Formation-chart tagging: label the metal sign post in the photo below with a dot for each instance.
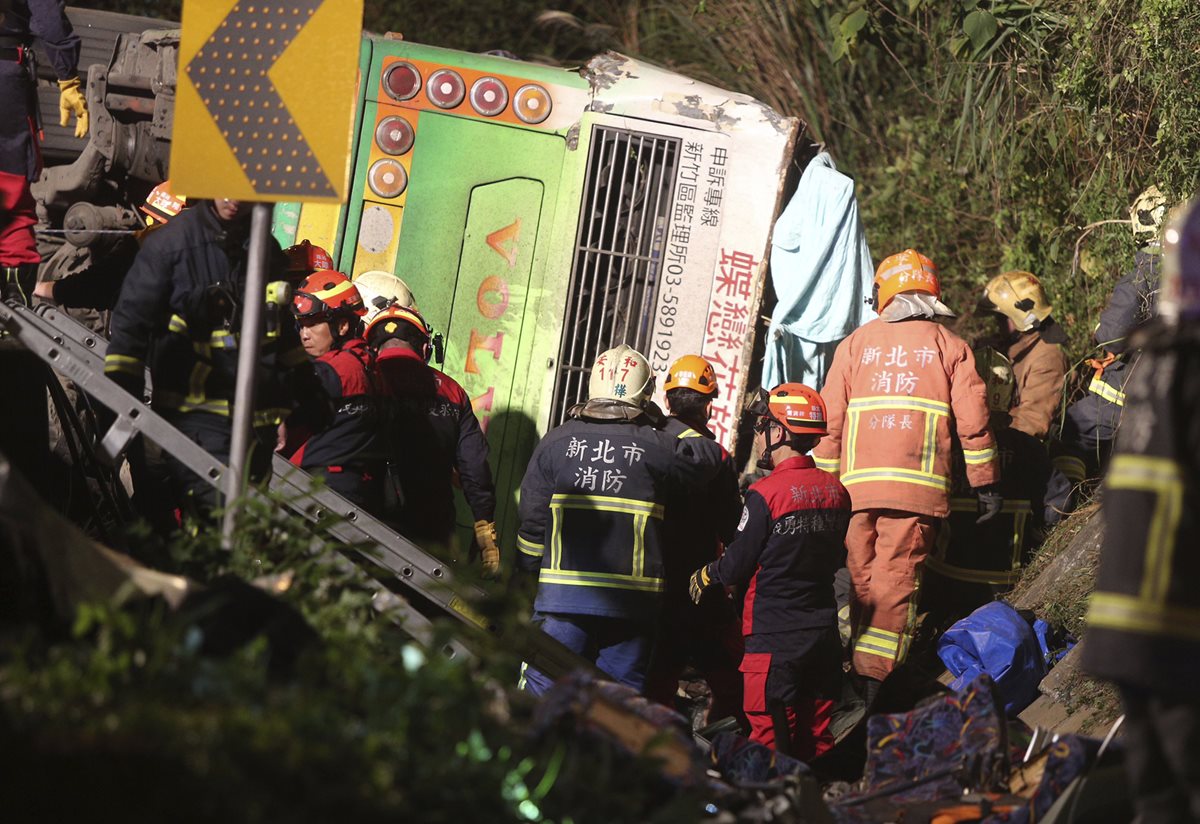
(249, 346)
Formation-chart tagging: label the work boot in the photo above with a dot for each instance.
(18, 282)
(868, 690)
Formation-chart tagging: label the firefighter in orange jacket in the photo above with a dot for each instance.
(899, 388)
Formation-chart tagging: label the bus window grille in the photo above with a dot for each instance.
(623, 223)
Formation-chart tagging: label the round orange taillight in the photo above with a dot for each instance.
(402, 81)
(489, 96)
(532, 104)
(394, 135)
(445, 88)
(387, 178)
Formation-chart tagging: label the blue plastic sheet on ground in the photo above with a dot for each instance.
(996, 640)
(822, 272)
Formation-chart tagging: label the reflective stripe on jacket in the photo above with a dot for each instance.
(592, 506)
(895, 395)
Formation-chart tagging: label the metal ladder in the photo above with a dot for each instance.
(77, 353)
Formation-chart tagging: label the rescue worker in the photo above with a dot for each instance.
(98, 286)
(971, 562)
(592, 505)
(20, 158)
(1032, 341)
(430, 436)
(789, 543)
(1144, 617)
(899, 389)
(179, 309)
(699, 522)
(339, 422)
(1090, 424)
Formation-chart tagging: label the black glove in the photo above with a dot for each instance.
(698, 583)
(990, 502)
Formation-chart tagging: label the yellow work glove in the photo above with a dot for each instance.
(698, 583)
(485, 536)
(71, 101)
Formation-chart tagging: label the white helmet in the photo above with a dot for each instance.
(380, 289)
(621, 374)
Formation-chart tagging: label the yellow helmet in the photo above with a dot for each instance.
(1147, 212)
(1019, 297)
(997, 373)
(692, 372)
(621, 374)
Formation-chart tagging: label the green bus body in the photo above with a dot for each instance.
(532, 246)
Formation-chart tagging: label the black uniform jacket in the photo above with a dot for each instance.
(790, 541)
(592, 506)
(345, 420)
(430, 433)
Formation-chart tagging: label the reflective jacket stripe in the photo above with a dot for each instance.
(604, 503)
(881, 642)
(908, 476)
(900, 402)
(530, 548)
(637, 583)
(979, 456)
(1112, 610)
(831, 465)
(177, 325)
(1164, 479)
(1109, 393)
(975, 576)
(124, 363)
(1074, 468)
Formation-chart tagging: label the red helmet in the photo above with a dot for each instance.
(798, 408)
(304, 258)
(326, 293)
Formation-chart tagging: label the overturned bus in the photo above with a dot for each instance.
(541, 215)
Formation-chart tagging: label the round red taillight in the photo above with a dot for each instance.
(532, 104)
(402, 81)
(445, 88)
(394, 135)
(387, 178)
(489, 96)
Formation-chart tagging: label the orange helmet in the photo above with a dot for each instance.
(908, 271)
(305, 258)
(391, 320)
(692, 372)
(798, 408)
(161, 205)
(326, 293)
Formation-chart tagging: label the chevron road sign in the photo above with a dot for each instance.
(265, 99)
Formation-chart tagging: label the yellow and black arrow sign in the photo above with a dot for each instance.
(266, 98)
